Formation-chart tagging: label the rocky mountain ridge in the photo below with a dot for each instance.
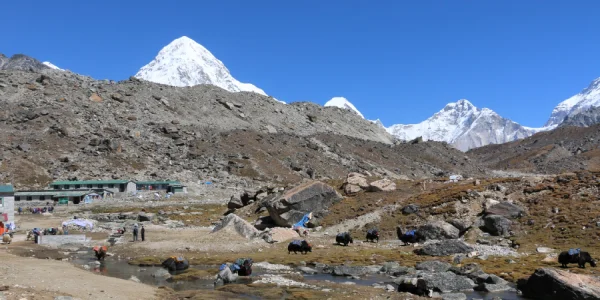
(60, 125)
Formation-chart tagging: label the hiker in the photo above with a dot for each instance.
(143, 232)
(135, 232)
(20, 210)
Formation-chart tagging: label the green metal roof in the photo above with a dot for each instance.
(89, 182)
(158, 182)
(6, 189)
(53, 193)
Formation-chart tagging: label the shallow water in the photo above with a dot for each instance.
(121, 269)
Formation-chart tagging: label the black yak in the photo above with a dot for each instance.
(574, 256)
(373, 235)
(343, 238)
(409, 237)
(245, 266)
(174, 263)
(299, 246)
(100, 252)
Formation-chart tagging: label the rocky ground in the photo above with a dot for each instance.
(476, 234)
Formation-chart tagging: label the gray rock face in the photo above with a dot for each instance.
(554, 284)
(433, 266)
(583, 118)
(21, 62)
(497, 225)
(446, 247)
(506, 209)
(437, 230)
(288, 208)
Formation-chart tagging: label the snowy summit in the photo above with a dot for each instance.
(586, 99)
(51, 66)
(184, 62)
(342, 102)
(465, 127)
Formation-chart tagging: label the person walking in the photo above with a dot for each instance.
(143, 232)
(135, 232)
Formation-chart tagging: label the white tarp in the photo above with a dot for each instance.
(79, 222)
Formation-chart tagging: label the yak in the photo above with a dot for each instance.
(373, 235)
(174, 263)
(245, 266)
(574, 256)
(100, 252)
(299, 246)
(409, 237)
(343, 238)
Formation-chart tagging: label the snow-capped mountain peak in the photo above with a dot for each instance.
(183, 62)
(464, 126)
(587, 98)
(342, 102)
(52, 66)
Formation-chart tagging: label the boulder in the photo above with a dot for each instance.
(453, 296)
(461, 224)
(505, 209)
(307, 270)
(236, 224)
(357, 179)
(445, 247)
(235, 202)
(445, 282)
(354, 270)
(471, 270)
(145, 217)
(555, 284)
(351, 189)
(496, 225)
(162, 273)
(312, 196)
(383, 185)
(433, 266)
(410, 209)
(390, 266)
(437, 230)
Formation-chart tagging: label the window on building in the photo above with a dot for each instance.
(17, 198)
(57, 187)
(90, 186)
(111, 186)
(29, 198)
(77, 186)
(42, 197)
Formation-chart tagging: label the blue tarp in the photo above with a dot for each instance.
(297, 242)
(410, 233)
(574, 251)
(302, 223)
(222, 267)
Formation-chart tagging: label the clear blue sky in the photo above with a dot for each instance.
(400, 61)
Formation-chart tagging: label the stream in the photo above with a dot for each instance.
(121, 269)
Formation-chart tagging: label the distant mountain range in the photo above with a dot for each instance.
(184, 62)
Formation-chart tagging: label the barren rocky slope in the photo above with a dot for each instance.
(560, 150)
(59, 125)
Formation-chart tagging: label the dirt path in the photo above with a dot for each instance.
(65, 279)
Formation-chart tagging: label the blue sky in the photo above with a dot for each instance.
(400, 61)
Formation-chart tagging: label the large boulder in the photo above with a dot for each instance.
(445, 282)
(496, 225)
(351, 189)
(505, 209)
(433, 266)
(554, 284)
(354, 270)
(445, 247)
(233, 223)
(357, 179)
(313, 196)
(235, 202)
(437, 230)
(383, 185)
